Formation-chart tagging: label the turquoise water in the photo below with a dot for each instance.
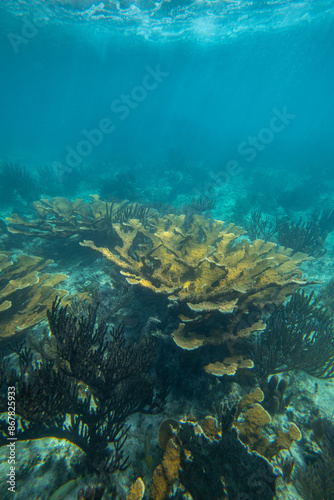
(229, 64)
(165, 118)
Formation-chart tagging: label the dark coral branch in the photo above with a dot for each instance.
(85, 390)
(298, 336)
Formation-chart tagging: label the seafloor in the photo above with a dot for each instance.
(51, 467)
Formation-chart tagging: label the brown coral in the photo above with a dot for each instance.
(228, 366)
(137, 490)
(166, 474)
(251, 421)
(251, 428)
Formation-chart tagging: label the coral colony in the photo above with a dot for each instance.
(218, 294)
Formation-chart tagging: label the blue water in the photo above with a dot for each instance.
(161, 102)
(229, 64)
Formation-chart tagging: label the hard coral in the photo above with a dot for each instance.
(61, 218)
(222, 467)
(221, 284)
(166, 474)
(228, 366)
(251, 421)
(25, 293)
(137, 490)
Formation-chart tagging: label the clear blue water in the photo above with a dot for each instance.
(229, 65)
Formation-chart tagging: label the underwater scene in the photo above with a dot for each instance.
(166, 250)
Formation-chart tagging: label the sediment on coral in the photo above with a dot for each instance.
(87, 382)
(298, 336)
(219, 283)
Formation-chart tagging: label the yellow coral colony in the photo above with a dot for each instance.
(220, 283)
(62, 218)
(25, 293)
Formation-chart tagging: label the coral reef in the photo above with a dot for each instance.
(200, 205)
(298, 336)
(166, 474)
(91, 493)
(304, 236)
(219, 284)
(122, 185)
(84, 390)
(251, 421)
(325, 221)
(228, 366)
(62, 218)
(222, 467)
(137, 490)
(25, 292)
(274, 391)
(327, 296)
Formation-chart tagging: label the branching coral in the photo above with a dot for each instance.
(298, 336)
(85, 390)
(61, 218)
(219, 283)
(25, 292)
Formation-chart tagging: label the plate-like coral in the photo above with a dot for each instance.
(25, 292)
